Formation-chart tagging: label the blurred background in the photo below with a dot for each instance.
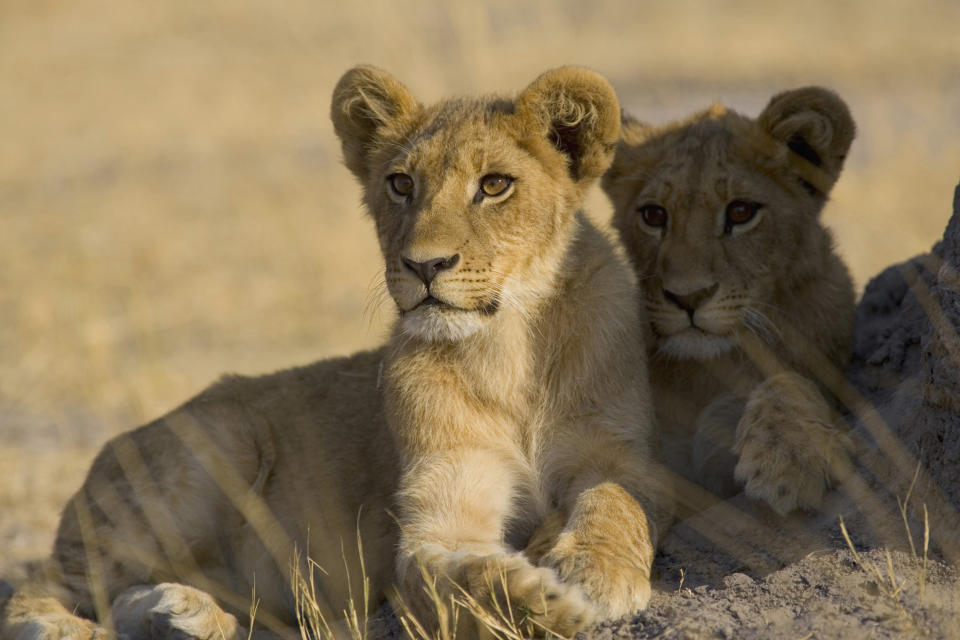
(173, 205)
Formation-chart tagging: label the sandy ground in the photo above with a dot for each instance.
(790, 579)
(172, 204)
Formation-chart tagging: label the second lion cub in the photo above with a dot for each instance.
(749, 304)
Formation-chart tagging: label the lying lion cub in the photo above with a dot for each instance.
(749, 304)
(514, 454)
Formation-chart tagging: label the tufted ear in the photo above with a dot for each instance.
(817, 126)
(367, 102)
(578, 112)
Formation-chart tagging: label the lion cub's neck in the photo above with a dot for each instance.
(499, 378)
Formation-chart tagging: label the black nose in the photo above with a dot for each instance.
(428, 270)
(690, 301)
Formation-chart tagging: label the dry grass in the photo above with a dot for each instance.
(497, 619)
(172, 204)
(887, 581)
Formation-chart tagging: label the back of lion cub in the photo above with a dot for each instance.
(498, 449)
(751, 309)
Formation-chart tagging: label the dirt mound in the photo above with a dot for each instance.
(907, 356)
(824, 595)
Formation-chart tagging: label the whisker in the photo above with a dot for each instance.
(776, 309)
(377, 296)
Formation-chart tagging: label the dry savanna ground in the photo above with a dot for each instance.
(173, 206)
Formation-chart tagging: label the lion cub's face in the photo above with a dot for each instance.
(473, 199)
(717, 214)
(461, 215)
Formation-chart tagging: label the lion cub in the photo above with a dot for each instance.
(750, 307)
(511, 454)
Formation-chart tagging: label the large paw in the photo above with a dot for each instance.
(606, 548)
(789, 450)
(29, 617)
(171, 611)
(510, 588)
(53, 626)
(615, 586)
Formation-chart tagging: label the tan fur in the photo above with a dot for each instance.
(515, 407)
(770, 300)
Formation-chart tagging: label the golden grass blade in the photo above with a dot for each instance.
(95, 576)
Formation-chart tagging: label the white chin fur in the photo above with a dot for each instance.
(437, 325)
(693, 344)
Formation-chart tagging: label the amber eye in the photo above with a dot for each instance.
(740, 212)
(401, 184)
(495, 184)
(653, 215)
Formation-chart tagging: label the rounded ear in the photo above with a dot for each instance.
(815, 124)
(578, 112)
(632, 131)
(633, 134)
(367, 101)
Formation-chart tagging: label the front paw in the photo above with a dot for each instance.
(172, 611)
(51, 625)
(789, 450)
(499, 591)
(538, 599)
(615, 585)
(606, 548)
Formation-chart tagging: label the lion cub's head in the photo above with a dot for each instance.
(473, 199)
(720, 215)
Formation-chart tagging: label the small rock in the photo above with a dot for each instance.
(737, 580)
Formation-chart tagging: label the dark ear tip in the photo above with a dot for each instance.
(812, 98)
(809, 93)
